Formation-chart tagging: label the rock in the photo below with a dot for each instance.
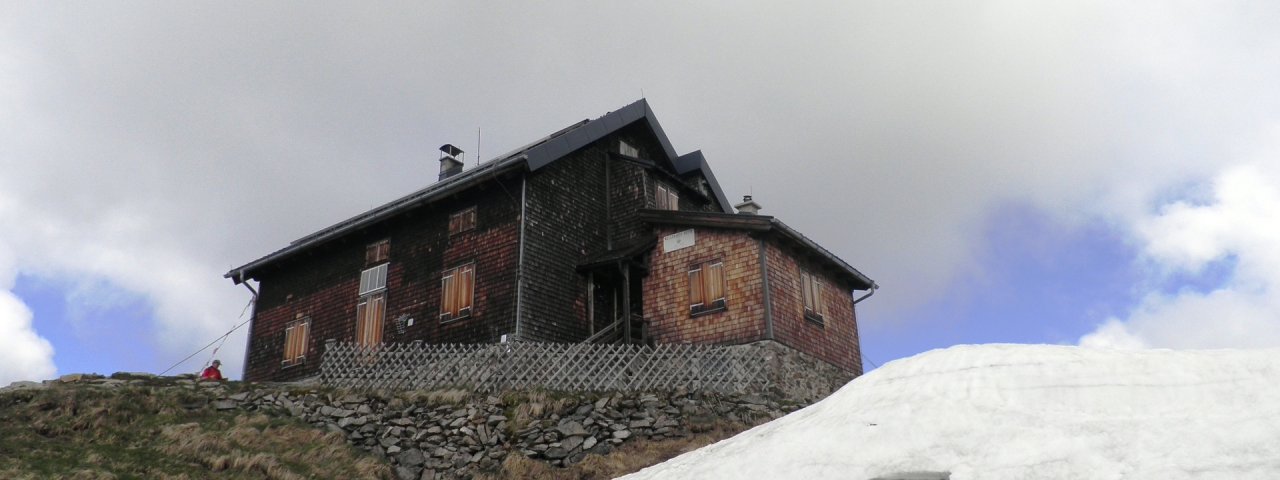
(327, 411)
(572, 443)
(239, 397)
(428, 474)
(556, 453)
(571, 428)
(406, 473)
(495, 419)
(224, 405)
(352, 399)
(588, 443)
(622, 434)
(642, 423)
(342, 413)
(393, 449)
(71, 378)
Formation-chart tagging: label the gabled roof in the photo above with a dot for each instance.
(761, 224)
(531, 157)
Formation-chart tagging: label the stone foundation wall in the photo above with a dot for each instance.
(457, 433)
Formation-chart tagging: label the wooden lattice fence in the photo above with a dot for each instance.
(552, 366)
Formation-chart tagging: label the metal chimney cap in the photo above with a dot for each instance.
(450, 150)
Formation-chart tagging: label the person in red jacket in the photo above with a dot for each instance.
(212, 373)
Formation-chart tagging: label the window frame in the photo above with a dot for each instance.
(811, 298)
(373, 279)
(379, 251)
(700, 286)
(462, 221)
(666, 198)
(466, 299)
(294, 345)
(628, 150)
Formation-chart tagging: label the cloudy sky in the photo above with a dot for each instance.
(1032, 172)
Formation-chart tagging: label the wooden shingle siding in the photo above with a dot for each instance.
(323, 284)
(835, 340)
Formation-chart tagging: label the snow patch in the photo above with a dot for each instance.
(1023, 411)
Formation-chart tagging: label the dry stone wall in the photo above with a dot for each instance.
(457, 433)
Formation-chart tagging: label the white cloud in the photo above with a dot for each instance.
(24, 355)
(1239, 221)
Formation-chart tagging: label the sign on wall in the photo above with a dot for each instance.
(676, 241)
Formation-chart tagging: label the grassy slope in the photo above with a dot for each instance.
(145, 432)
(172, 432)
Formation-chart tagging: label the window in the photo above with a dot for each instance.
(462, 221)
(369, 315)
(376, 252)
(706, 288)
(295, 341)
(811, 291)
(372, 306)
(666, 198)
(373, 279)
(628, 150)
(457, 292)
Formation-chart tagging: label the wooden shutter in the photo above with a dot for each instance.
(448, 297)
(369, 316)
(673, 200)
(466, 279)
(697, 295)
(715, 283)
(361, 320)
(295, 341)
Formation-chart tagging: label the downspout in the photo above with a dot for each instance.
(244, 367)
(854, 309)
(524, 181)
(768, 296)
(608, 207)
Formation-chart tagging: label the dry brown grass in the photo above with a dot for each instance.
(279, 452)
(169, 433)
(629, 458)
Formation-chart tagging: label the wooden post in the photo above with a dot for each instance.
(591, 304)
(626, 298)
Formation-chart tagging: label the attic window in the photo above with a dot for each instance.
(706, 288)
(628, 150)
(378, 251)
(811, 291)
(462, 221)
(666, 198)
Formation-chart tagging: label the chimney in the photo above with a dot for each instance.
(748, 206)
(450, 161)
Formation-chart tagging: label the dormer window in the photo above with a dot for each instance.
(462, 221)
(666, 198)
(378, 251)
(627, 150)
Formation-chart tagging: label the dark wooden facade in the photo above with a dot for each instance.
(560, 249)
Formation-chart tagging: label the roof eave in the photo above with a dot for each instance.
(473, 177)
